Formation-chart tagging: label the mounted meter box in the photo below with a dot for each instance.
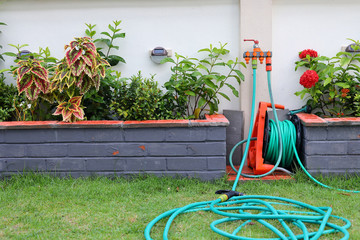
(159, 53)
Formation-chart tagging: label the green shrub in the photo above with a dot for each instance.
(198, 83)
(1, 57)
(141, 99)
(97, 103)
(331, 85)
(8, 96)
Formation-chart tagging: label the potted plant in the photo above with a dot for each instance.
(191, 148)
(331, 135)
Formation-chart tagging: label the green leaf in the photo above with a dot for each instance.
(190, 93)
(202, 67)
(327, 81)
(235, 92)
(106, 34)
(119, 35)
(205, 61)
(332, 94)
(230, 62)
(114, 59)
(10, 54)
(201, 102)
(240, 74)
(204, 50)
(196, 74)
(344, 61)
(343, 85)
(225, 96)
(167, 59)
(343, 53)
(106, 41)
(18, 46)
(111, 28)
(210, 83)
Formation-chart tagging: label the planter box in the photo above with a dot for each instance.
(330, 145)
(190, 148)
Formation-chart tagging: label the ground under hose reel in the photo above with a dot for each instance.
(258, 159)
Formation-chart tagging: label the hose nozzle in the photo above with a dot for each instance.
(227, 194)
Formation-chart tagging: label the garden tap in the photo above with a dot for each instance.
(258, 53)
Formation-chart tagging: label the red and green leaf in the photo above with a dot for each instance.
(88, 59)
(102, 70)
(66, 114)
(78, 67)
(59, 108)
(41, 84)
(88, 71)
(80, 79)
(103, 62)
(96, 82)
(24, 83)
(70, 81)
(91, 53)
(76, 101)
(90, 46)
(64, 74)
(79, 114)
(85, 85)
(61, 86)
(73, 44)
(32, 92)
(40, 73)
(22, 70)
(72, 55)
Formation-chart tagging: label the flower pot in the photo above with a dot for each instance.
(188, 148)
(330, 145)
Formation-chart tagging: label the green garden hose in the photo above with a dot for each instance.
(291, 215)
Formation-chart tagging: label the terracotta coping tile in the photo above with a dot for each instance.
(211, 120)
(313, 120)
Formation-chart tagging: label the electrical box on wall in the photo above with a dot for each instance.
(159, 53)
(350, 48)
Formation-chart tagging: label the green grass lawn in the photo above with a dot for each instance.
(45, 207)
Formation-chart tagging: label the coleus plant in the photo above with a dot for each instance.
(70, 110)
(81, 69)
(32, 78)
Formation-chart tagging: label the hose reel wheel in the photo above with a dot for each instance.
(297, 123)
(266, 135)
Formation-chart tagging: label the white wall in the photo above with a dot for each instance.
(188, 25)
(184, 26)
(301, 24)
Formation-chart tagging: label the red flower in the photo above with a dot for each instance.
(310, 52)
(309, 78)
(344, 92)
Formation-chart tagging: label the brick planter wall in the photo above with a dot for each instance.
(330, 145)
(190, 148)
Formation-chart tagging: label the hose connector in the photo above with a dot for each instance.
(227, 194)
(256, 54)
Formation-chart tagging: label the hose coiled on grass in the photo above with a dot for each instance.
(262, 209)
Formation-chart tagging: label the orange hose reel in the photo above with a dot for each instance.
(255, 156)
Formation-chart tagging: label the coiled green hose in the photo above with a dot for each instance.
(288, 133)
(241, 208)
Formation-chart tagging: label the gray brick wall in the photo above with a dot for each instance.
(198, 150)
(331, 149)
